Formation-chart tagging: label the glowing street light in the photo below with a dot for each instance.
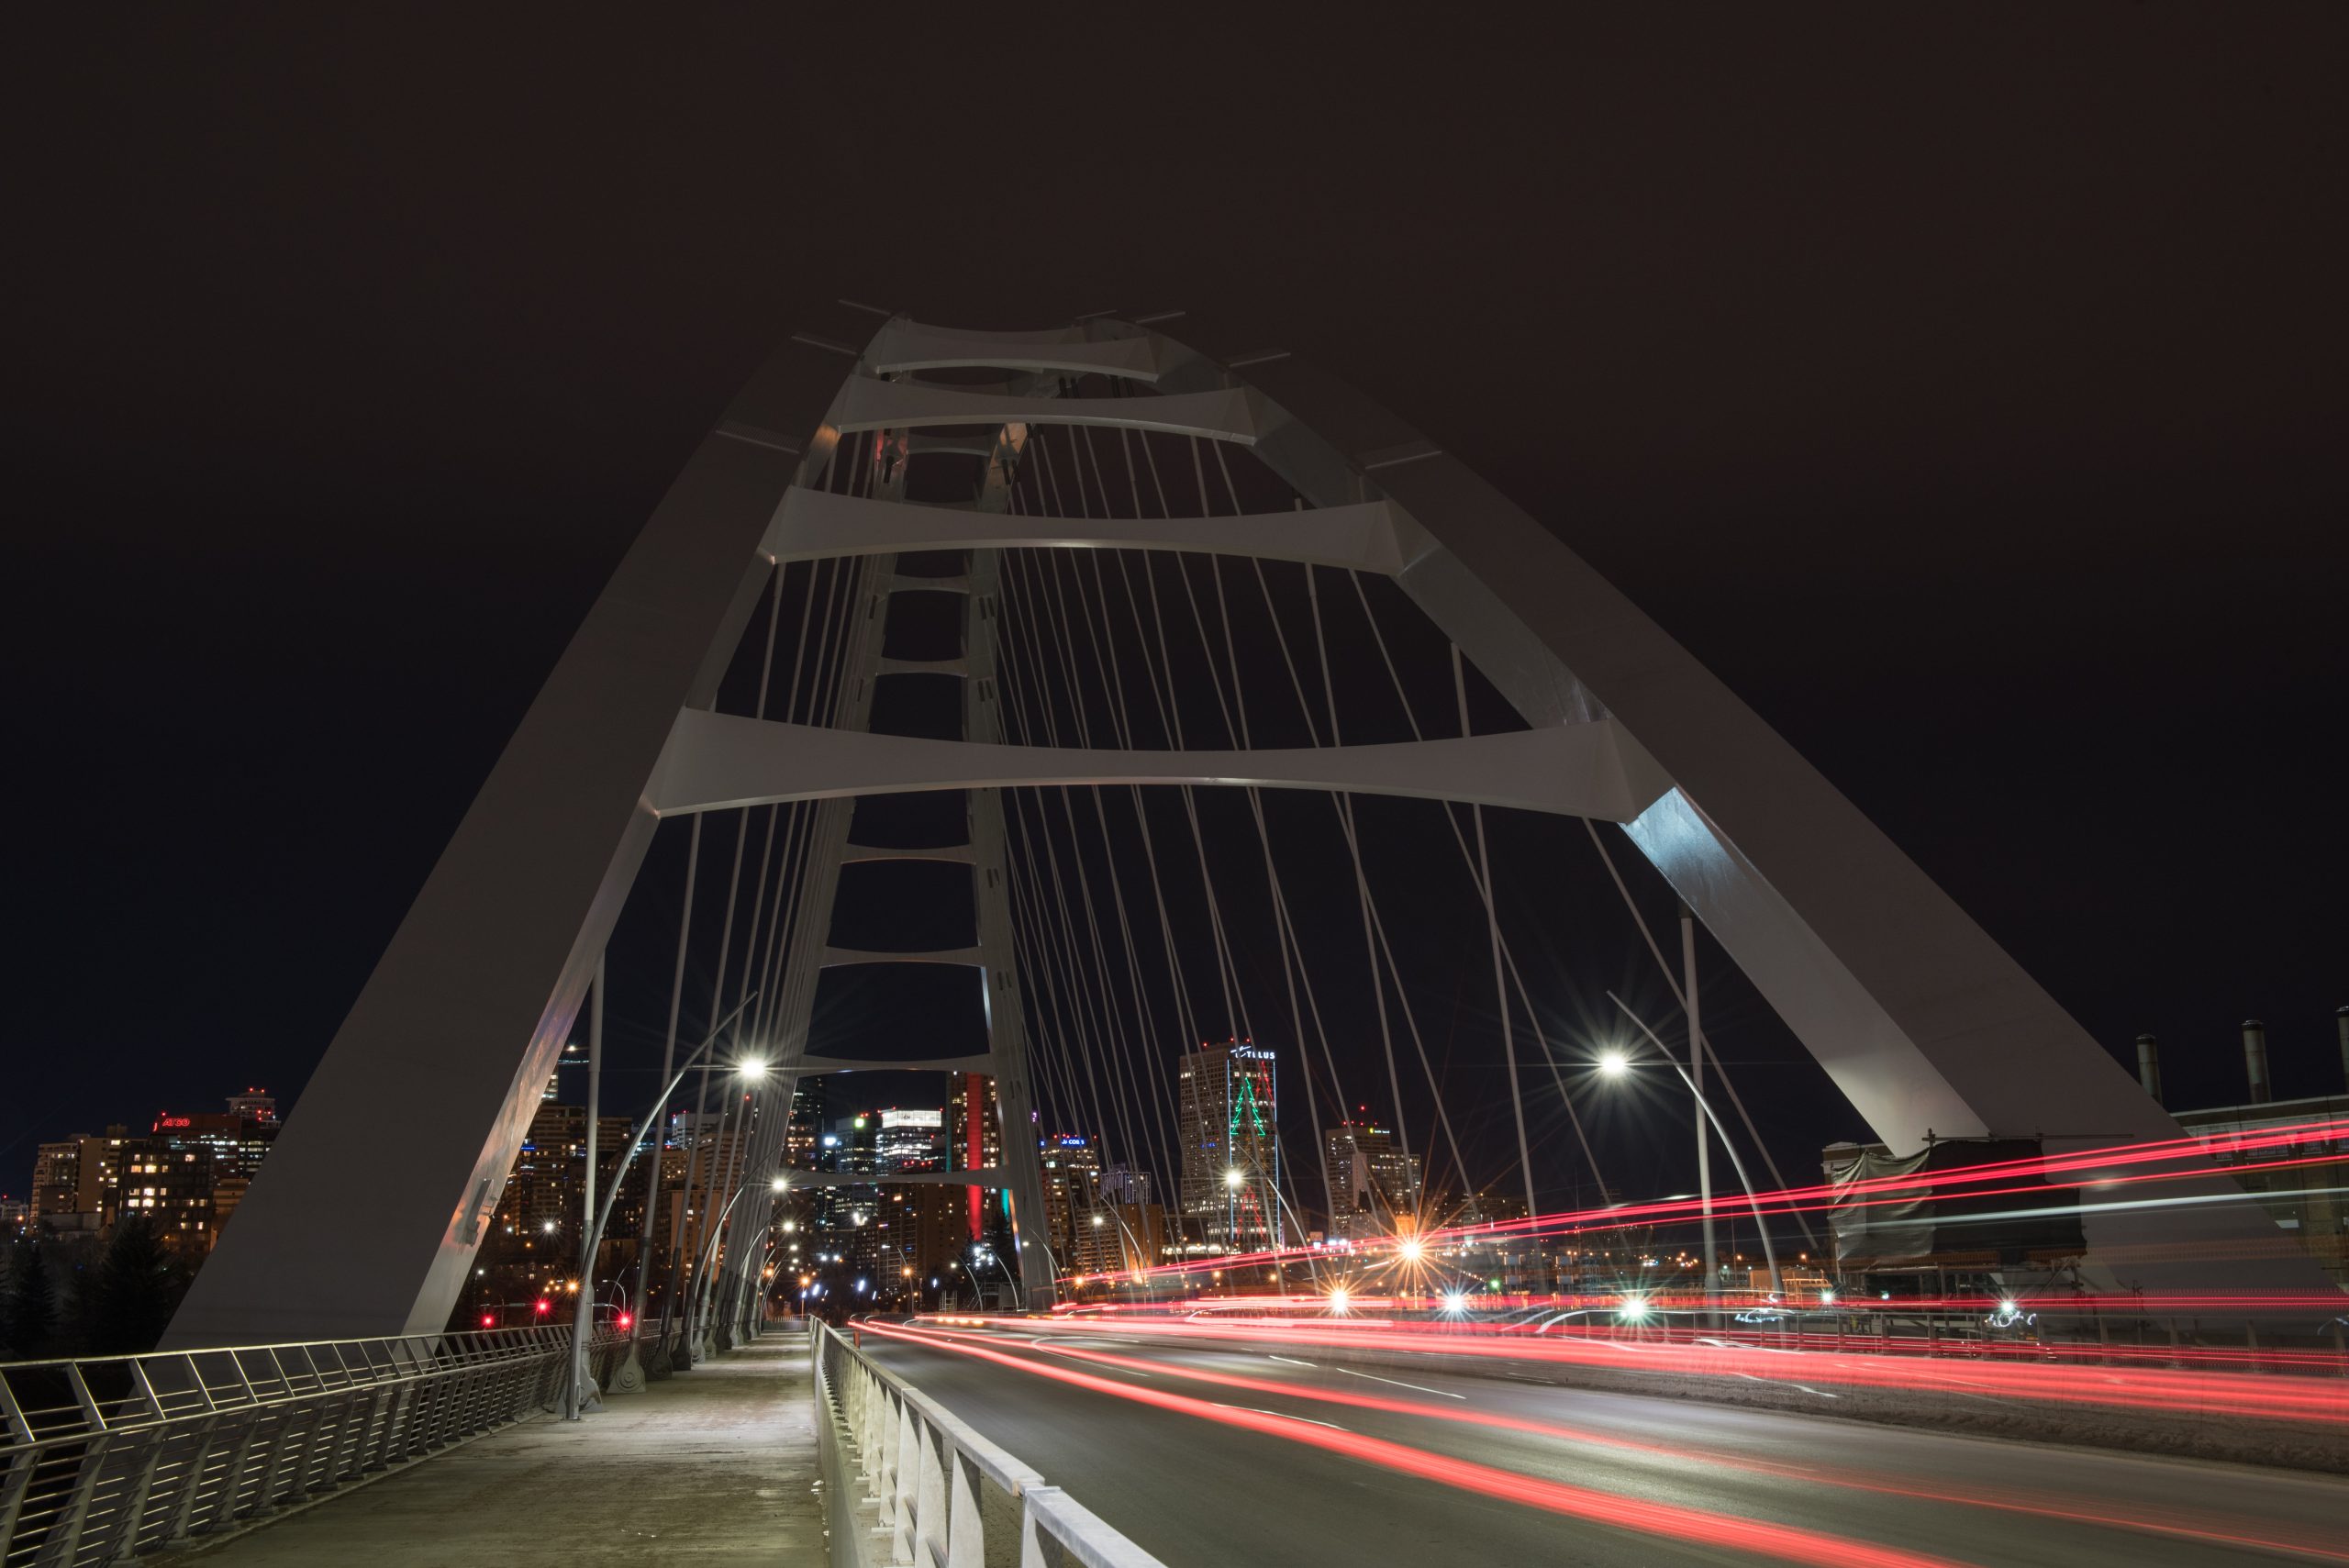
(1412, 1249)
(779, 1182)
(1613, 1063)
(1234, 1179)
(752, 1068)
(1454, 1302)
(1337, 1299)
(1632, 1309)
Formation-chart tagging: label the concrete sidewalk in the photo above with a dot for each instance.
(715, 1467)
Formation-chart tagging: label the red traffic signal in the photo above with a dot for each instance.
(544, 1306)
(489, 1319)
(626, 1320)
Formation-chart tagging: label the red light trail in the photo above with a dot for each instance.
(2102, 1170)
(2321, 1402)
(1696, 1526)
(2176, 1524)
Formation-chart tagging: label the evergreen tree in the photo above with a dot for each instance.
(128, 1303)
(28, 1311)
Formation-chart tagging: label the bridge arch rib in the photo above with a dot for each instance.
(1915, 1012)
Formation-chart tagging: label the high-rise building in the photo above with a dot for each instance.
(1072, 1163)
(1374, 1185)
(57, 1179)
(167, 1186)
(975, 1142)
(910, 1141)
(1231, 1168)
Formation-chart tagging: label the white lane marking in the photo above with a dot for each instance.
(1074, 1354)
(1277, 1415)
(1400, 1384)
(1291, 1360)
(1807, 1388)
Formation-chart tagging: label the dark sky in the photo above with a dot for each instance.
(1967, 390)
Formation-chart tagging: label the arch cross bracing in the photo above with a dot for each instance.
(1917, 1015)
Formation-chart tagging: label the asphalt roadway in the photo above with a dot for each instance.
(1638, 1481)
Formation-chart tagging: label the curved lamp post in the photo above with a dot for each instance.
(1615, 1064)
(578, 1390)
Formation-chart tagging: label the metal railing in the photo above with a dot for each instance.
(105, 1457)
(933, 1481)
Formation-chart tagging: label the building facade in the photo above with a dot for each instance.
(1227, 1104)
(1374, 1186)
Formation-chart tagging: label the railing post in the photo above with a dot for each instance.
(929, 1499)
(134, 1514)
(894, 1416)
(908, 1469)
(965, 1530)
(93, 1457)
(1031, 1534)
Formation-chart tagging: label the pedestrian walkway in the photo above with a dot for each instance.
(710, 1469)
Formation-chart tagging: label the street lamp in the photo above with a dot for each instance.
(987, 1254)
(1769, 1252)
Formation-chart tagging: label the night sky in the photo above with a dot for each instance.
(1967, 391)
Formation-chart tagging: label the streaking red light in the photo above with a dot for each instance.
(1786, 1542)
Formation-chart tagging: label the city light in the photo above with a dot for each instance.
(542, 1307)
(779, 1182)
(752, 1068)
(1632, 1309)
(547, 1227)
(1412, 1249)
(1454, 1302)
(1614, 1063)
(626, 1320)
(1234, 1179)
(489, 1319)
(1339, 1298)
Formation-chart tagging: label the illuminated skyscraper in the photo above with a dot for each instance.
(910, 1141)
(1231, 1158)
(1375, 1184)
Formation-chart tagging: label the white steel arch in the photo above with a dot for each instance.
(1917, 1014)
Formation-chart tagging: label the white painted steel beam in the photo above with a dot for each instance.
(955, 855)
(1361, 537)
(906, 346)
(869, 405)
(982, 1063)
(985, 1176)
(355, 1228)
(717, 761)
(839, 958)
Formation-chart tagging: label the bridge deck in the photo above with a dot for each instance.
(707, 1470)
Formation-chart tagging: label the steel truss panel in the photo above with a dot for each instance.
(869, 405)
(904, 346)
(719, 761)
(1361, 536)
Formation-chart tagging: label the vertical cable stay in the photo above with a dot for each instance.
(1492, 931)
(1452, 820)
(1029, 862)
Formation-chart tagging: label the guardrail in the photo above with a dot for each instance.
(105, 1457)
(934, 1482)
